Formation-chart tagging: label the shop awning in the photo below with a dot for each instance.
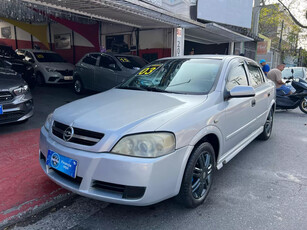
(141, 15)
(212, 33)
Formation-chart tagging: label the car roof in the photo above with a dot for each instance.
(213, 56)
(35, 50)
(114, 54)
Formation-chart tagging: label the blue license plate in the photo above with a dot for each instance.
(1, 109)
(62, 163)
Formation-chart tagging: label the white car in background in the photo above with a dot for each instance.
(49, 67)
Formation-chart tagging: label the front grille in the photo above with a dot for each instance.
(80, 136)
(126, 192)
(65, 72)
(5, 96)
(10, 117)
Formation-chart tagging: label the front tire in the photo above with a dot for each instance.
(268, 126)
(303, 105)
(78, 86)
(198, 176)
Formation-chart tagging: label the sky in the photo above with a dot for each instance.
(298, 8)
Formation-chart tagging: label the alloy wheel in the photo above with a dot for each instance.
(77, 86)
(268, 123)
(201, 178)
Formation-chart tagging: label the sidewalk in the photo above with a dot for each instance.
(24, 187)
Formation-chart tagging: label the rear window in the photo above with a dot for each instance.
(131, 62)
(256, 75)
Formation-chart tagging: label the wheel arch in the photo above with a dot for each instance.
(212, 135)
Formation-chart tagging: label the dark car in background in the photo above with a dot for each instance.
(103, 71)
(16, 102)
(10, 60)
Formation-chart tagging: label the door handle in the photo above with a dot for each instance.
(253, 102)
(269, 94)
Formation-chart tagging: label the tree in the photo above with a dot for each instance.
(287, 8)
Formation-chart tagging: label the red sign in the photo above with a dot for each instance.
(262, 47)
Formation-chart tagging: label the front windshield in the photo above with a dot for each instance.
(190, 76)
(48, 57)
(131, 62)
(297, 73)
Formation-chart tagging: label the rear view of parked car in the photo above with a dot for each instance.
(16, 102)
(100, 71)
(49, 67)
(10, 60)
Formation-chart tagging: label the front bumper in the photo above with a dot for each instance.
(121, 179)
(19, 109)
(58, 78)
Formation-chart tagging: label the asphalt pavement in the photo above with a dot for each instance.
(263, 187)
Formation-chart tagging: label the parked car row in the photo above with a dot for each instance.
(25, 68)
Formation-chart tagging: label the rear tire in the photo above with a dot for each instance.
(303, 105)
(267, 129)
(78, 86)
(198, 176)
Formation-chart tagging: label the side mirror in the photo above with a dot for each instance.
(242, 91)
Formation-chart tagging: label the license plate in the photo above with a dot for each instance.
(67, 78)
(1, 109)
(62, 163)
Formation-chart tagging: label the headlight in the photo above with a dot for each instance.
(146, 145)
(21, 90)
(50, 69)
(48, 122)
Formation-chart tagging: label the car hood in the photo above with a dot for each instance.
(9, 79)
(126, 111)
(58, 65)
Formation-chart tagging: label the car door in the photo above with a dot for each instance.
(238, 111)
(106, 73)
(86, 70)
(263, 94)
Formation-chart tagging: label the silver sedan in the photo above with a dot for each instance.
(162, 133)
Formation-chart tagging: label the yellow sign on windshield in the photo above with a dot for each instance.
(149, 70)
(123, 59)
(40, 56)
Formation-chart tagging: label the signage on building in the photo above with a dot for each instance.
(181, 7)
(231, 12)
(262, 48)
(178, 49)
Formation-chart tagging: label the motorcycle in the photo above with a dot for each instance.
(297, 99)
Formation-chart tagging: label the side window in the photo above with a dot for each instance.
(90, 59)
(256, 76)
(236, 76)
(107, 62)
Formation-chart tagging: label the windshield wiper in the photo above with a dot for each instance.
(154, 89)
(131, 87)
(181, 83)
